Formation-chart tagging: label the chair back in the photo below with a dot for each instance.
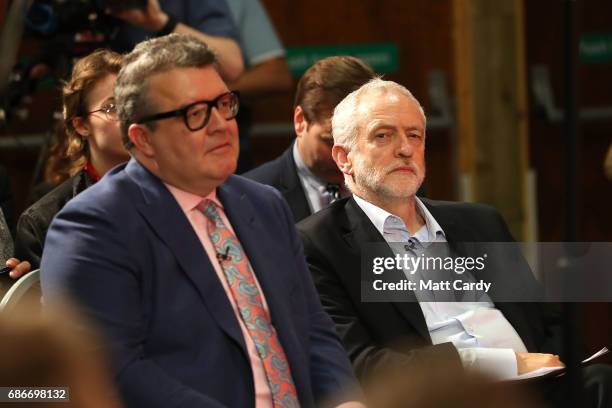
(28, 284)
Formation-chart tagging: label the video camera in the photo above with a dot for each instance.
(66, 29)
(52, 17)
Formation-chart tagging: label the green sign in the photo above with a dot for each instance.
(596, 48)
(382, 57)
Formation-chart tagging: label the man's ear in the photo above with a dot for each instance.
(300, 125)
(140, 136)
(81, 126)
(341, 157)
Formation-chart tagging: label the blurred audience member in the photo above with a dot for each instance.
(266, 69)
(305, 173)
(208, 20)
(89, 146)
(43, 350)
(435, 384)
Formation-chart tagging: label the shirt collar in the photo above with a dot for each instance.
(388, 224)
(189, 201)
(305, 173)
(433, 228)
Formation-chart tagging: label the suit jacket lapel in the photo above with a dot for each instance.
(361, 230)
(291, 187)
(249, 230)
(166, 218)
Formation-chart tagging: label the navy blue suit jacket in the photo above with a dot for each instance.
(281, 173)
(125, 251)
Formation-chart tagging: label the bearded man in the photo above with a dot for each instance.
(379, 145)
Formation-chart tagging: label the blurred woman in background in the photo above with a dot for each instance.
(87, 147)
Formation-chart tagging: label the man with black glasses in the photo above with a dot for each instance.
(195, 276)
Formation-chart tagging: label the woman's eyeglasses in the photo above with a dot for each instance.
(109, 109)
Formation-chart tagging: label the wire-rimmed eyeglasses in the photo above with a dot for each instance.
(109, 109)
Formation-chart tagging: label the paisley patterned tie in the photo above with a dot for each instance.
(240, 278)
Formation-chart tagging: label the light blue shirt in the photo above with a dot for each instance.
(485, 340)
(257, 37)
(314, 188)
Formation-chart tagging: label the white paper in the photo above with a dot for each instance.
(601, 352)
(538, 373)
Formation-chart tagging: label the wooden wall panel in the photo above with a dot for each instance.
(545, 33)
(3, 10)
(491, 105)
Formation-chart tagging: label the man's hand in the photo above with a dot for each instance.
(527, 362)
(18, 268)
(151, 18)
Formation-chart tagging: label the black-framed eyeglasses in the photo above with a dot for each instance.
(109, 109)
(197, 114)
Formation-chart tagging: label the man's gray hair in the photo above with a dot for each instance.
(148, 58)
(345, 121)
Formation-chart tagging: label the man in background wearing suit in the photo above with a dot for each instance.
(305, 173)
(196, 277)
(379, 144)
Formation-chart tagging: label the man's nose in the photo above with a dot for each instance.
(216, 122)
(404, 147)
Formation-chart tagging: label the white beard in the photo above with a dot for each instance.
(372, 179)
